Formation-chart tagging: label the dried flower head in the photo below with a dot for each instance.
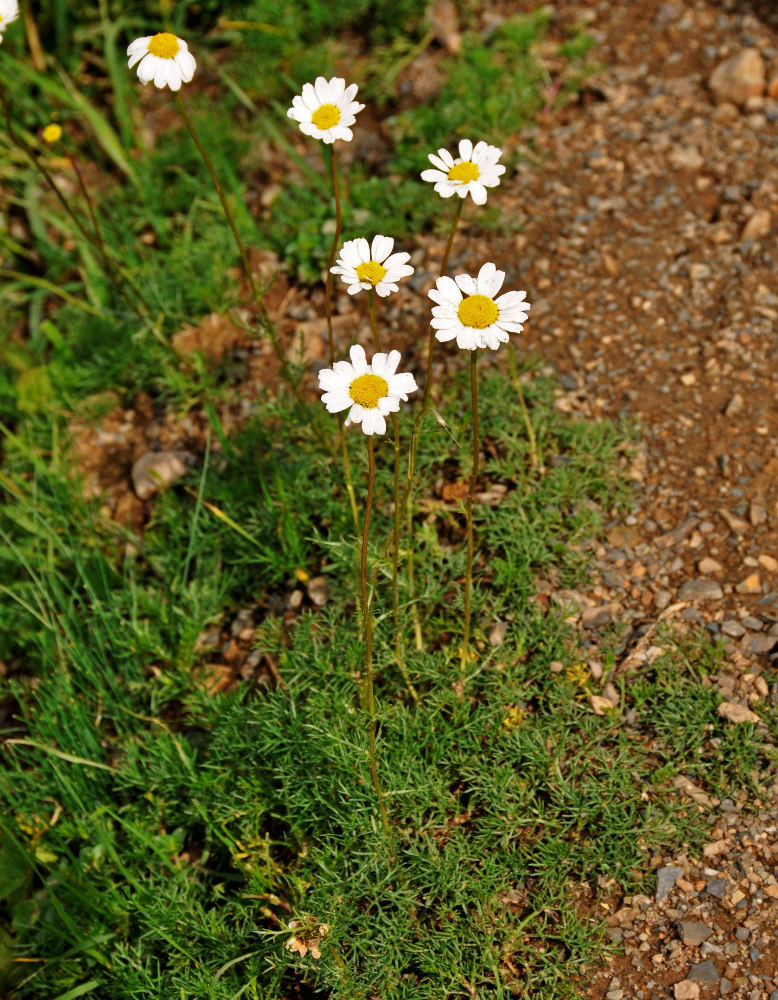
(307, 935)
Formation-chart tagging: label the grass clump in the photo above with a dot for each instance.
(160, 836)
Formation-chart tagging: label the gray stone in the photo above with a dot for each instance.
(694, 932)
(755, 624)
(761, 644)
(704, 972)
(701, 589)
(733, 629)
(726, 987)
(742, 933)
(717, 886)
(155, 470)
(665, 880)
(595, 617)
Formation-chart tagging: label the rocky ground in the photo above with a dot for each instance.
(648, 252)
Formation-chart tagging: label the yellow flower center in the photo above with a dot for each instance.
(326, 116)
(464, 172)
(368, 389)
(52, 133)
(478, 311)
(372, 271)
(164, 45)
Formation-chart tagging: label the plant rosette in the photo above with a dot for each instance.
(475, 170)
(466, 309)
(163, 59)
(370, 392)
(326, 109)
(364, 265)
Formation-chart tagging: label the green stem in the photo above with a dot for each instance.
(266, 322)
(89, 203)
(534, 455)
(328, 279)
(469, 510)
(399, 650)
(352, 497)
(443, 265)
(369, 692)
(423, 410)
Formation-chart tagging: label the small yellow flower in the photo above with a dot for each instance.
(578, 674)
(514, 718)
(52, 133)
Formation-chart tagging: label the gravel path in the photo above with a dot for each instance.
(648, 252)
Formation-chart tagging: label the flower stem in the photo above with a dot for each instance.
(431, 340)
(333, 253)
(399, 646)
(352, 497)
(534, 455)
(369, 693)
(469, 509)
(423, 410)
(266, 322)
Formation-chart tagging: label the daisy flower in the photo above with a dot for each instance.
(164, 58)
(468, 310)
(475, 170)
(371, 391)
(9, 11)
(365, 265)
(326, 109)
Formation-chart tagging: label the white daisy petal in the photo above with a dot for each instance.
(477, 193)
(139, 45)
(465, 149)
(381, 247)
(358, 359)
(396, 259)
(363, 249)
(467, 284)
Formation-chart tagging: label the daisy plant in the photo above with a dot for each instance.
(471, 311)
(472, 172)
(370, 391)
(372, 267)
(326, 110)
